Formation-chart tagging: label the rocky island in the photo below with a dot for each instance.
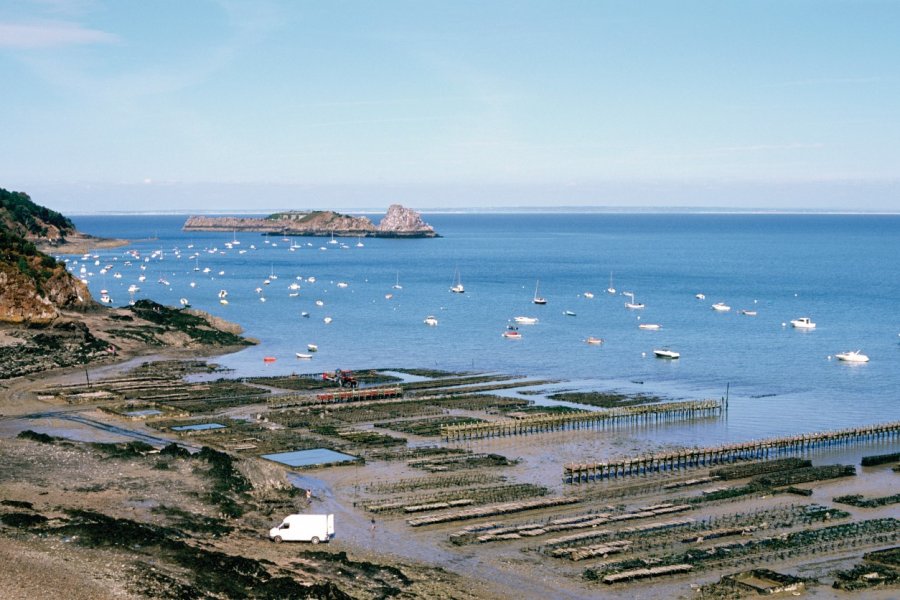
(399, 222)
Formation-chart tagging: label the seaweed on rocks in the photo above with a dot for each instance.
(22, 520)
(34, 436)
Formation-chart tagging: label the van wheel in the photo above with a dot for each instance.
(277, 539)
(315, 540)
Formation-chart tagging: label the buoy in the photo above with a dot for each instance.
(269, 359)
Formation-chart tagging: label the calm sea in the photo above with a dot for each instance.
(841, 271)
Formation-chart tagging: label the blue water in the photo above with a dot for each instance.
(199, 427)
(843, 271)
(309, 458)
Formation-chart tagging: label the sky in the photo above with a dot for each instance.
(227, 105)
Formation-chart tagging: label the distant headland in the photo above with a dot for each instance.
(399, 222)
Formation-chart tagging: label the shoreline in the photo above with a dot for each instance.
(82, 244)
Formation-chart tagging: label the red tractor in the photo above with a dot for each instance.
(342, 378)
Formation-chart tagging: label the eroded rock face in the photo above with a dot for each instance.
(22, 302)
(403, 221)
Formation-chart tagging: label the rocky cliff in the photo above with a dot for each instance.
(33, 286)
(398, 222)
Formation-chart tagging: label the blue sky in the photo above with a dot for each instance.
(226, 105)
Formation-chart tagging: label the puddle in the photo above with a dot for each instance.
(310, 458)
(199, 427)
(150, 412)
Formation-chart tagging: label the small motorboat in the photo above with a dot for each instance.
(327, 320)
(512, 333)
(749, 313)
(650, 326)
(431, 321)
(269, 359)
(312, 348)
(568, 313)
(304, 314)
(594, 341)
(632, 305)
(185, 302)
(721, 307)
(588, 295)
(320, 303)
(700, 296)
(666, 353)
(303, 356)
(525, 320)
(803, 323)
(342, 284)
(854, 356)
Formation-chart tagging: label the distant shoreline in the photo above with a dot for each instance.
(81, 243)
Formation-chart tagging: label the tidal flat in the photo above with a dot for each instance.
(423, 512)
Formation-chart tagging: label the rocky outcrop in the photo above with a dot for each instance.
(33, 286)
(401, 221)
(398, 222)
(31, 292)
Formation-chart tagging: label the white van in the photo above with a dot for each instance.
(304, 528)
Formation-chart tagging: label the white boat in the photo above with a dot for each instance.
(320, 303)
(721, 307)
(223, 294)
(589, 295)
(525, 320)
(650, 326)
(327, 320)
(185, 302)
(803, 323)
(854, 356)
(223, 301)
(105, 299)
(594, 341)
(632, 305)
(333, 241)
(133, 289)
(457, 287)
(538, 299)
(304, 314)
(700, 296)
(666, 353)
(342, 284)
(569, 313)
(431, 321)
(294, 286)
(359, 243)
(312, 348)
(397, 285)
(749, 313)
(303, 356)
(610, 289)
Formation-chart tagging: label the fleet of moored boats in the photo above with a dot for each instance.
(512, 331)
